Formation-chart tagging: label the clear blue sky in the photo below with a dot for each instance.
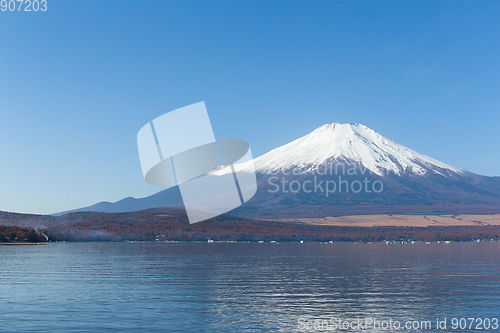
(78, 81)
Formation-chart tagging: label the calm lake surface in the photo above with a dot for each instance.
(201, 287)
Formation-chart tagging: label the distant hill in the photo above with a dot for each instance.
(171, 196)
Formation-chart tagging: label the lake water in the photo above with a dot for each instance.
(201, 287)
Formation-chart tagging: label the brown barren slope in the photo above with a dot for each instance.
(403, 220)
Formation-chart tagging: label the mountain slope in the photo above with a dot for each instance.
(352, 158)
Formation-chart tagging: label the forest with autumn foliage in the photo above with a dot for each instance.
(164, 224)
(13, 234)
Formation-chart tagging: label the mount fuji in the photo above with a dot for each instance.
(346, 169)
(351, 144)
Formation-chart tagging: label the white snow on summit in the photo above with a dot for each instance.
(347, 143)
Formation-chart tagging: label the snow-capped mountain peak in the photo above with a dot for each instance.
(353, 144)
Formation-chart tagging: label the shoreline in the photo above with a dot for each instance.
(10, 244)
